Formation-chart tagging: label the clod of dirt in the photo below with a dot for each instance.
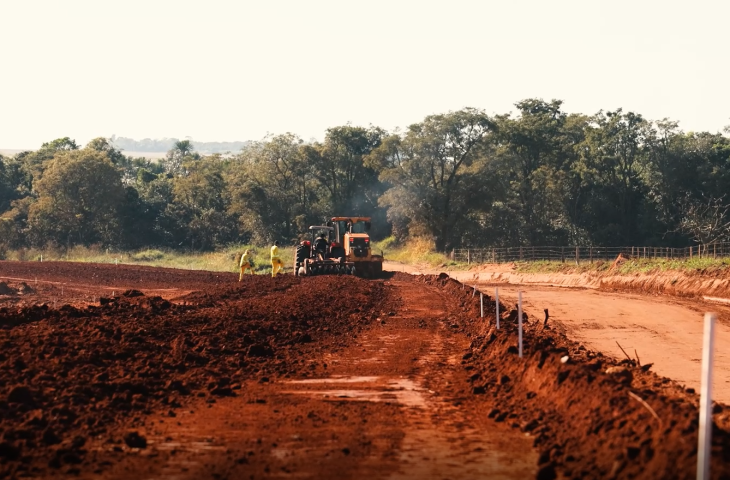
(135, 440)
(20, 394)
(5, 289)
(132, 293)
(622, 373)
(547, 472)
(223, 392)
(50, 437)
(260, 350)
(25, 289)
(9, 451)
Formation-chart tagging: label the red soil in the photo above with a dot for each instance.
(99, 390)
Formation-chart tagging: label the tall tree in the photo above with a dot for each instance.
(339, 167)
(181, 152)
(199, 205)
(613, 164)
(433, 173)
(78, 200)
(270, 188)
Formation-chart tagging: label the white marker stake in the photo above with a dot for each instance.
(519, 319)
(496, 303)
(705, 437)
(481, 300)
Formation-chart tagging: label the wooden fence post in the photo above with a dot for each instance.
(494, 257)
(590, 253)
(562, 254)
(577, 255)
(468, 256)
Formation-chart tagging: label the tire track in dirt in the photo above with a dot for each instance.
(394, 404)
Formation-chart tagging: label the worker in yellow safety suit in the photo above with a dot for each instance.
(276, 264)
(245, 264)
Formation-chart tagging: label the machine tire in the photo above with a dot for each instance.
(377, 269)
(301, 253)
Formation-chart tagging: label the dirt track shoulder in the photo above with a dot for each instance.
(663, 329)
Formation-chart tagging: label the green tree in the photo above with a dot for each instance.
(181, 152)
(199, 206)
(534, 155)
(435, 174)
(338, 165)
(613, 164)
(271, 189)
(10, 180)
(78, 200)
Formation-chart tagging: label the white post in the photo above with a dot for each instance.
(41, 258)
(519, 319)
(474, 291)
(496, 302)
(481, 300)
(705, 436)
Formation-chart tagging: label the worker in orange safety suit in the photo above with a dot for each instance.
(276, 264)
(245, 264)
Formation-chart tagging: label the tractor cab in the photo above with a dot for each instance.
(352, 235)
(322, 241)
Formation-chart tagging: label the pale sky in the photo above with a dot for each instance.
(237, 70)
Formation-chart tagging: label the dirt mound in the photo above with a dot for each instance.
(70, 374)
(6, 290)
(586, 411)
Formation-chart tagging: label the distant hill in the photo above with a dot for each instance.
(162, 145)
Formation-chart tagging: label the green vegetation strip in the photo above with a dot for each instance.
(644, 265)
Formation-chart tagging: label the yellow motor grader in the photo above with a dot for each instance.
(340, 247)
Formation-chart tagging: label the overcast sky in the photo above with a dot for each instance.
(236, 70)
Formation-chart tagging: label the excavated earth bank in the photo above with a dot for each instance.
(70, 375)
(700, 283)
(585, 414)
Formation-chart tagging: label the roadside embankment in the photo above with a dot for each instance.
(710, 284)
(591, 416)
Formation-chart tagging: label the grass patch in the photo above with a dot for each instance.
(639, 265)
(221, 261)
(415, 251)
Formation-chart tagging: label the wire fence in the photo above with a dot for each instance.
(580, 254)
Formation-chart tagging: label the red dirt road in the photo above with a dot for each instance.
(392, 405)
(664, 331)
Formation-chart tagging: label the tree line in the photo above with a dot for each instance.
(535, 177)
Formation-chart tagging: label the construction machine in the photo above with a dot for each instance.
(348, 250)
(321, 255)
(352, 234)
